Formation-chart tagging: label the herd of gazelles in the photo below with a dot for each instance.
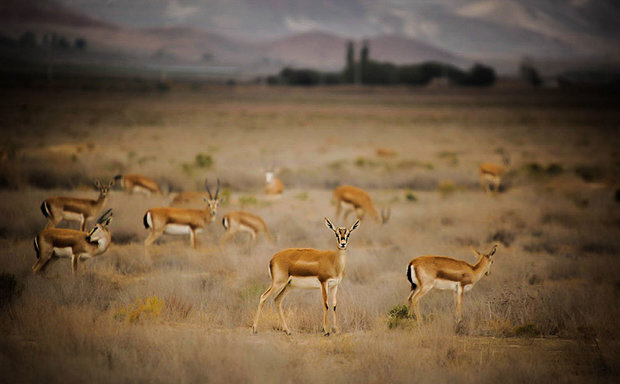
(288, 269)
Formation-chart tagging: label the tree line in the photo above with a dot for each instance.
(372, 72)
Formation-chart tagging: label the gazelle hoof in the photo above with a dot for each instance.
(326, 334)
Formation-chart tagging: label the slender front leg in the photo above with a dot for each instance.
(334, 292)
(192, 237)
(278, 302)
(459, 302)
(74, 263)
(261, 302)
(325, 307)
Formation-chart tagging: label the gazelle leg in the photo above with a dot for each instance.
(496, 184)
(278, 302)
(415, 299)
(324, 291)
(192, 237)
(459, 303)
(45, 254)
(274, 287)
(347, 213)
(152, 237)
(53, 221)
(74, 263)
(360, 213)
(82, 223)
(334, 292)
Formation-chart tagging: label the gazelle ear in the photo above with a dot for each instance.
(108, 221)
(492, 251)
(474, 251)
(98, 184)
(205, 198)
(357, 224)
(329, 224)
(111, 183)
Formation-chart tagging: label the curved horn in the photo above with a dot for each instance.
(106, 215)
(208, 190)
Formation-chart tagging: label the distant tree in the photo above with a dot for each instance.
(207, 56)
(528, 73)
(63, 43)
(349, 69)
(28, 39)
(479, 75)
(364, 57)
(80, 44)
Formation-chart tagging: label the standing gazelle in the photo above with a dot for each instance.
(181, 221)
(444, 273)
(134, 183)
(241, 221)
(493, 173)
(62, 242)
(356, 199)
(307, 268)
(74, 209)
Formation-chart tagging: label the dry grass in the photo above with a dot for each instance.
(547, 312)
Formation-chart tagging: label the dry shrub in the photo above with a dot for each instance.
(140, 310)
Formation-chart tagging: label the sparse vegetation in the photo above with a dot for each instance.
(551, 296)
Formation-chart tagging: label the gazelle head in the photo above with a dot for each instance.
(104, 189)
(212, 201)
(488, 257)
(342, 233)
(100, 231)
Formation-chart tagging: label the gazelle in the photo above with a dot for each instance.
(134, 183)
(356, 199)
(241, 221)
(273, 185)
(307, 268)
(493, 173)
(444, 273)
(188, 198)
(74, 209)
(62, 242)
(181, 221)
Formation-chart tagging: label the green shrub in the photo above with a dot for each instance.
(526, 330)
(397, 316)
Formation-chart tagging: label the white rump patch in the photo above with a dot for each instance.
(139, 189)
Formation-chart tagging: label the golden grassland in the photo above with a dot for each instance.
(547, 312)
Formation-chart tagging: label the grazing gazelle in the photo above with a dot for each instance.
(62, 242)
(241, 221)
(273, 185)
(181, 221)
(356, 199)
(493, 173)
(74, 209)
(138, 184)
(307, 268)
(444, 273)
(188, 199)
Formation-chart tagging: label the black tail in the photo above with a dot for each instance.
(413, 285)
(44, 209)
(118, 177)
(146, 223)
(224, 223)
(36, 247)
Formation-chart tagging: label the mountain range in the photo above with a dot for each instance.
(262, 36)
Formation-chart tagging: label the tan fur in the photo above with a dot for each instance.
(273, 185)
(325, 268)
(82, 244)
(61, 207)
(187, 198)
(131, 181)
(430, 271)
(493, 173)
(239, 221)
(192, 219)
(359, 200)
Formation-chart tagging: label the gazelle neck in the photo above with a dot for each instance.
(480, 267)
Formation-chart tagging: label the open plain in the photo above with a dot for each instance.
(548, 312)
